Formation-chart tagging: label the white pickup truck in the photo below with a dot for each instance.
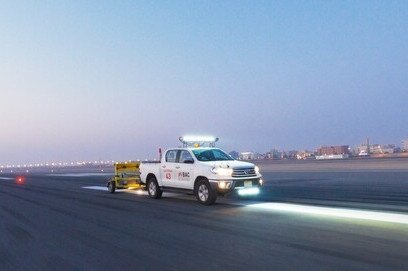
(207, 172)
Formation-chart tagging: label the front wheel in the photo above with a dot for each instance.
(153, 188)
(204, 193)
(111, 187)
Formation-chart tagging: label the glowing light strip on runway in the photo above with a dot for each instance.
(6, 178)
(101, 188)
(132, 191)
(334, 212)
(104, 188)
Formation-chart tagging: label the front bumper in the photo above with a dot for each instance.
(228, 186)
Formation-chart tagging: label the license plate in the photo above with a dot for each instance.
(247, 183)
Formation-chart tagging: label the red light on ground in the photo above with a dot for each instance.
(20, 180)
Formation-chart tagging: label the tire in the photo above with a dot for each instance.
(204, 193)
(153, 188)
(111, 187)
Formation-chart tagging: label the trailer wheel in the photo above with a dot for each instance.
(111, 187)
(204, 192)
(153, 188)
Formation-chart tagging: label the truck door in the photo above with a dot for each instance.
(185, 170)
(168, 168)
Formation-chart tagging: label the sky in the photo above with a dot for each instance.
(85, 80)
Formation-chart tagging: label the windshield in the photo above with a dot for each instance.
(211, 155)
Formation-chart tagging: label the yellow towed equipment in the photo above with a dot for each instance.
(127, 176)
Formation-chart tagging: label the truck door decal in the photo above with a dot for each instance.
(168, 174)
(184, 176)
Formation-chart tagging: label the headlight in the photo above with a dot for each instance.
(256, 169)
(222, 171)
(224, 185)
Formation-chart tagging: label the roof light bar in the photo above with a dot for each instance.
(198, 140)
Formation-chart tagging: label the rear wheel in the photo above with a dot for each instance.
(111, 187)
(153, 188)
(204, 192)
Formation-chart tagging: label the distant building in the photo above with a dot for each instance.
(303, 155)
(234, 154)
(246, 156)
(363, 149)
(333, 150)
(405, 144)
(389, 148)
(375, 148)
(291, 154)
(259, 156)
(332, 156)
(274, 154)
(382, 149)
(363, 152)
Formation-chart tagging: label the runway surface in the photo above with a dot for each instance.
(69, 222)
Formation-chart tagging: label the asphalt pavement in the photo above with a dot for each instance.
(69, 222)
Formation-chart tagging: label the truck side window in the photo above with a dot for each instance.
(171, 156)
(185, 155)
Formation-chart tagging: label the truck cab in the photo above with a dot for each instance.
(205, 171)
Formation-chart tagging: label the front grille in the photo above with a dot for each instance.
(243, 172)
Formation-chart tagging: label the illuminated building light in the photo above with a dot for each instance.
(334, 212)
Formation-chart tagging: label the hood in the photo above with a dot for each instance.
(232, 164)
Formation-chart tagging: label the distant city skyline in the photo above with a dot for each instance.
(108, 160)
(119, 79)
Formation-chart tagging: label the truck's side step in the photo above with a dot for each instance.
(177, 190)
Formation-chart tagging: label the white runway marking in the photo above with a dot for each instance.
(6, 178)
(333, 212)
(79, 174)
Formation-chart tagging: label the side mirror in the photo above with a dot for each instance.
(189, 161)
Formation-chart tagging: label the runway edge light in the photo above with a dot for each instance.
(20, 180)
